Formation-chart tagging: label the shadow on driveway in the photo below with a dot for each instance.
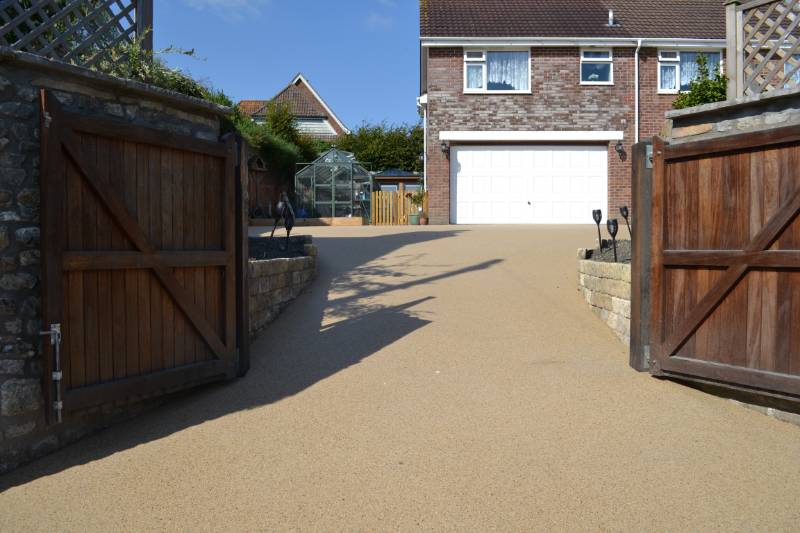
(296, 351)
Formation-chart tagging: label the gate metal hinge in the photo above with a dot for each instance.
(55, 340)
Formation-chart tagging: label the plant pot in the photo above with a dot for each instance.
(423, 221)
(413, 220)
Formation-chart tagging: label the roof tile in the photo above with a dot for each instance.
(701, 19)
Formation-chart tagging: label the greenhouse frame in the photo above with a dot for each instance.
(334, 185)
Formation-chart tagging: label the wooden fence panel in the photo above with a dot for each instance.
(140, 268)
(726, 261)
(391, 208)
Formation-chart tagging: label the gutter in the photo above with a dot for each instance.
(432, 42)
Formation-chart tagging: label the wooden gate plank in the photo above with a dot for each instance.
(105, 327)
(52, 184)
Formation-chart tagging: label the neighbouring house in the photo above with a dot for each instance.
(312, 114)
(531, 107)
(390, 179)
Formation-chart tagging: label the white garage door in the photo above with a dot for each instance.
(527, 184)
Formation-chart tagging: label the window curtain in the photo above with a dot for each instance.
(475, 76)
(508, 71)
(689, 66)
(668, 82)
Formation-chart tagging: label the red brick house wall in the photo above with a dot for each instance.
(558, 102)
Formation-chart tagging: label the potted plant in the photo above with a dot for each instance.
(417, 200)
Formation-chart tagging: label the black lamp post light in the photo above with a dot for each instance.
(625, 214)
(613, 228)
(597, 215)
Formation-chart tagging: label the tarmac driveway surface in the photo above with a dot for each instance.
(432, 378)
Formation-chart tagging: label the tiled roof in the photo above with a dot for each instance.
(702, 19)
(252, 107)
(300, 101)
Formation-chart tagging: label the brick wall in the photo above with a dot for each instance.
(557, 102)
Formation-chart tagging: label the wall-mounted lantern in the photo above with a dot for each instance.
(445, 148)
(620, 149)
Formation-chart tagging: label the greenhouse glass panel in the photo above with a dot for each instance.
(335, 184)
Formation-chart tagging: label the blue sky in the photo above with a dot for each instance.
(361, 56)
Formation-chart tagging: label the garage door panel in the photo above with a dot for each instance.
(561, 185)
(527, 184)
(579, 185)
(499, 185)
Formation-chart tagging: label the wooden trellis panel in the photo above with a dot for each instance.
(75, 31)
(763, 42)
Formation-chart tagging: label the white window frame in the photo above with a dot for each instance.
(609, 60)
(676, 63)
(483, 62)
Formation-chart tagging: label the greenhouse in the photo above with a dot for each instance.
(335, 185)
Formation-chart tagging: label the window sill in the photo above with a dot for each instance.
(601, 83)
(669, 92)
(497, 92)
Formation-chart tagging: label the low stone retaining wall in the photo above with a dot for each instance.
(276, 282)
(607, 289)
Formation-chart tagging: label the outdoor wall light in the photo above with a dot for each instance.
(613, 228)
(445, 147)
(620, 150)
(597, 215)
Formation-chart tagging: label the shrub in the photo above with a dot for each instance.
(278, 141)
(704, 89)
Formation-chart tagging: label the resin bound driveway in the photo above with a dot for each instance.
(444, 378)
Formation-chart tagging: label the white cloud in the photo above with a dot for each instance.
(231, 10)
(376, 21)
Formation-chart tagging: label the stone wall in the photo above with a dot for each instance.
(748, 114)
(606, 287)
(276, 282)
(24, 433)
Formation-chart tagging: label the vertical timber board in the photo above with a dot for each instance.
(242, 259)
(640, 263)
(657, 239)
(52, 180)
(229, 245)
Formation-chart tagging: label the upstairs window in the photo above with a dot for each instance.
(677, 69)
(790, 73)
(497, 71)
(597, 67)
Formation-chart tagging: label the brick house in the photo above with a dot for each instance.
(531, 107)
(312, 114)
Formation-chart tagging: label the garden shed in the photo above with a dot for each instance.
(334, 185)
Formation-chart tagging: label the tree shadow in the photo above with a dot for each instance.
(317, 336)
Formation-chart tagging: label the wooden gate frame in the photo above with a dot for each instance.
(737, 263)
(59, 141)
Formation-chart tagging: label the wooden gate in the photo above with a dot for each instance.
(139, 266)
(726, 261)
(391, 208)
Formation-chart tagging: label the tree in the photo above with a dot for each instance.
(704, 89)
(385, 146)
